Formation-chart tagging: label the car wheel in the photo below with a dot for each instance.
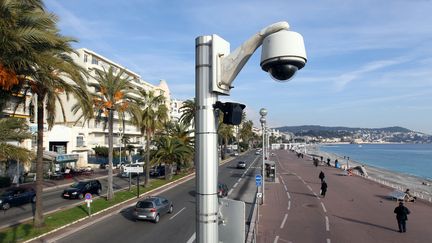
(6, 206)
(81, 196)
(156, 220)
(99, 191)
(33, 199)
(171, 209)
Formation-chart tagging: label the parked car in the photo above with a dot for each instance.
(152, 208)
(17, 196)
(157, 171)
(241, 165)
(79, 189)
(222, 190)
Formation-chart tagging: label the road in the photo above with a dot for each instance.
(53, 201)
(180, 225)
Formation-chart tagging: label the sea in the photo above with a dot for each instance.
(412, 159)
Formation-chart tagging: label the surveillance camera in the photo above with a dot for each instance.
(283, 54)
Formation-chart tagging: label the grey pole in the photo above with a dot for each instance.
(263, 113)
(206, 159)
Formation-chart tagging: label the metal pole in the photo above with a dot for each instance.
(206, 159)
(18, 173)
(263, 161)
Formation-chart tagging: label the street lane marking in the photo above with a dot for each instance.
(328, 240)
(310, 188)
(177, 213)
(239, 180)
(327, 223)
(288, 195)
(284, 220)
(235, 185)
(192, 239)
(286, 189)
(315, 194)
(276, 239)
(325, 210)
(230, 191)
(289, 205)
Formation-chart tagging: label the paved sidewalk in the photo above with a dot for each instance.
(354, 209)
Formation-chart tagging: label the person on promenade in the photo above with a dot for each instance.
(321, 176)
(402, 216)
(323, 188)
(336, 163)
(328, 161)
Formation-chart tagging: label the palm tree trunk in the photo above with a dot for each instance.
(39, 220)
(110, 193)
(147, 164)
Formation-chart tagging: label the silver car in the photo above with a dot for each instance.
(152, 208)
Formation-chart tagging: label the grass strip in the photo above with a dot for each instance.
(58, 219)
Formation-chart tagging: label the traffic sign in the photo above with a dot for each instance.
(130, 169)
(258, 180)
(88, 196)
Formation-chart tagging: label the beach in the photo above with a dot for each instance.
(420, 187)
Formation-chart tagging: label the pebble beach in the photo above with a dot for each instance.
(421, 187)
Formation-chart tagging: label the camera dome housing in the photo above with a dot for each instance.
(283, 54)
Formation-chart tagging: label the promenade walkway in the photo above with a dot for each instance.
(354, 210)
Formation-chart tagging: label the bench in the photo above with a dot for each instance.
(398, 195)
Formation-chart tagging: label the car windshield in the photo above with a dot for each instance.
(78, 185)
(144, 204)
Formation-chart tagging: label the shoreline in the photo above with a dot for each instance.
(397, 180)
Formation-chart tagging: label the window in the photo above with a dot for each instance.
(95, 60)
(85, 57)
(80, 141)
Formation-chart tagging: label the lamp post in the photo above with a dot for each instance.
(263, 113)
(215, 70)
(121, 138)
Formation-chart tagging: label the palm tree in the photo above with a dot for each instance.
(113, 93)
(183, 134)
(170, 150)
(149, 115)
(225, 134)
(33, 53)
(14, 129)
(188, 110)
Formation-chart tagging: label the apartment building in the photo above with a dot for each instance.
(72, 139)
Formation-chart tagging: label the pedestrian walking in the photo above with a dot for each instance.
(328, 161)
(323, 188)
(321, 176)
(402, 216)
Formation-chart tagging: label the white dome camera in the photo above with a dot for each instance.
(283, 54)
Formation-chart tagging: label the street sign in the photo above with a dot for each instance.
(258, 180)
(88, 196)
(130, 169)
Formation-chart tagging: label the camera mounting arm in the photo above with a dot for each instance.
(231, 64)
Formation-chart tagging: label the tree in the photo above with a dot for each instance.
(188, 110)
(246, 133)
(225, 134)
(14, 129)
(34, 55)
(183, 134)
(113, 93)
(149, 115)
(170, 150)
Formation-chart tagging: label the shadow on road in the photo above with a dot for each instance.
(365, 223)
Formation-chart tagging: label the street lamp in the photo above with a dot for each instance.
(263, 113)
(283, 53)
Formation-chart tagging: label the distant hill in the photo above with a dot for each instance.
(319, 129)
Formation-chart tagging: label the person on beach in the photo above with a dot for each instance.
(402, 216)
(410, 198)
(323, 188)
(321, 176)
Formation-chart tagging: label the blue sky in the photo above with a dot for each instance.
(369, 62)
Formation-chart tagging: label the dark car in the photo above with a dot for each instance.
(16, 196)
(241, 165)
(152, 208)
(157, 171)
(79, 189)
(222, 190)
